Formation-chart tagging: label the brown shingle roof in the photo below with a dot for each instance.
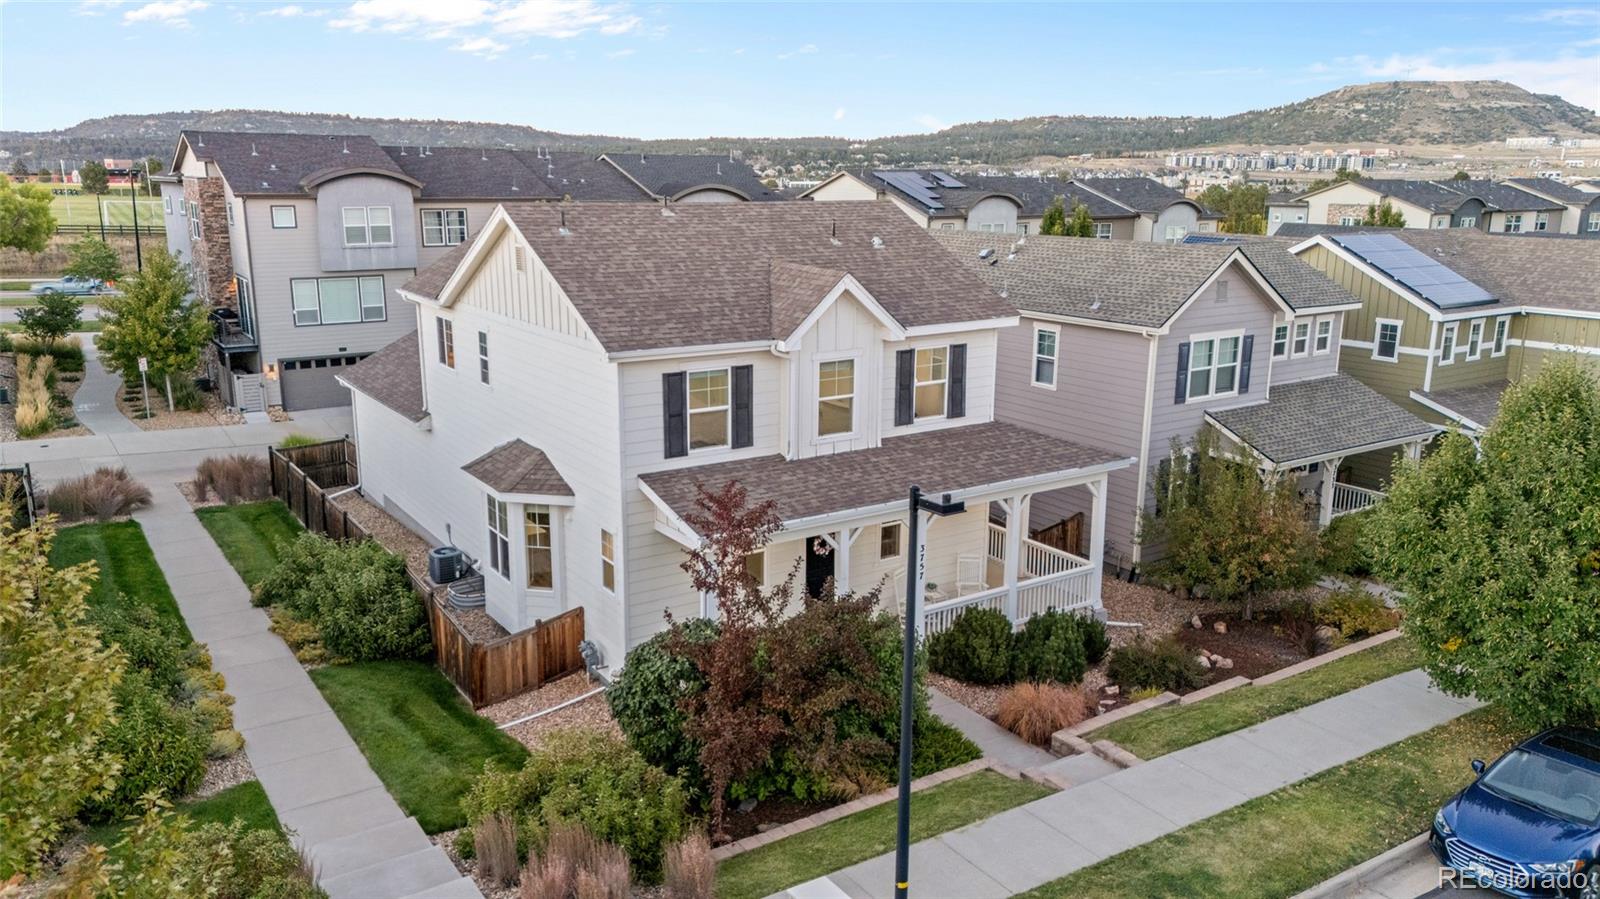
(393, 377)
(1518, 271)
(1304, 420)
(796, 290)
(280, 164)
(646, 278)
(516, 467)
(430, 279)
(670, 174)
(1475, 405)
(950, 459)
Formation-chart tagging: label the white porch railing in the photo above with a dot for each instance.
(1050, 579)
(1349, 498)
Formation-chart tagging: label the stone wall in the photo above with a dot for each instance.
(1337, 211)
(213, 256)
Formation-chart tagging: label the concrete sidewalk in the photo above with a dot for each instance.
(996, 742)
(95, 404)
(319, 783)
(1050, 838)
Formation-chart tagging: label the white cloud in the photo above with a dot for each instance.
(1571, 76)
(292, 11)
(562, 18)
(486, 47)
(621, 54)
(931, 122)
(805, 50)
(408, 15)
(166, 12)
(96, 7)
(739, 52)
(838, 114)
(1569, 16)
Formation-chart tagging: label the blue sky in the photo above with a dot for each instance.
(697, 69)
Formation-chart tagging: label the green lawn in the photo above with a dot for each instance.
(1170, 728)
(421, 738)
(85, 326)
(251, 535)
(1259, 850)
(84, 209)
(17, 285)
(809, 855)
(246, 801)
(126, 565)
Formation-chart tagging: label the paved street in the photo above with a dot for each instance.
(1039, 842)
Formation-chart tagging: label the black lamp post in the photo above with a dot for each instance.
(914, 573)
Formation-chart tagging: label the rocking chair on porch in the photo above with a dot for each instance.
(970, 571)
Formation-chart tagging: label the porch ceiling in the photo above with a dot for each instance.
(968, 462)
(1321, 418)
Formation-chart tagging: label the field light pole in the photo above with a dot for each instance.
(916, 568)
(138, 252)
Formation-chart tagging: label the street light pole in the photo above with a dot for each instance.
(915, 569)
(138, 252)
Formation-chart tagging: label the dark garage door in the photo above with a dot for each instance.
(310, 384)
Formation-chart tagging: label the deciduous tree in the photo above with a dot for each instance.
(92, 257)
(153, 318)
(1495, 553)
(1384, 216)
(94, 177)
(54, 317)
(1081, 224)
(25, 220)
(1242, 205)
(1054, 221)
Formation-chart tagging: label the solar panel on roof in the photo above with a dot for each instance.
(1419, 272)
(1211, 238)
(943, 179)
(912, 185)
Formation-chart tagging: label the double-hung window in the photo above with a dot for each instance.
(608, 560)
(836, 393)
(1302, 338)
(1046, 350)
(1280, 341)
(335, 301)
(1324, 341)
(443, 227)
(446, 331)
(194, 221)
(1349, 221)
(889, 540)
(1541, 221)
(1502, 330)
(932, 381)
(166, 205)
(1475, 339)
(1214, 366)
(483, 356)
(499, 542)
(536, 531)
(1469, 221)
(1102, 230)
(1594, 221)
(1386, 340)
(1447, 343)
(368, 226)
(708, 408)
(1513, 223)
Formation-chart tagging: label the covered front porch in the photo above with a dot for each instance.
(845, 521)
(1336, 436)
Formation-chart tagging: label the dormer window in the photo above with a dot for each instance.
(368, 226)
(933, 379)
(836, 391)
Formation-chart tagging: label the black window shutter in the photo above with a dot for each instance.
(956, 402)
(1246, 353)
(743, 427)
(674, 402)
(905, 381)
(1181, 395)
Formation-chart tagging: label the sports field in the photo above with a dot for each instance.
(82, 208)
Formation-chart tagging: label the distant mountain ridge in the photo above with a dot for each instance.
(1390, 112)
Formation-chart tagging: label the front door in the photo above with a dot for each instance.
(819, 565)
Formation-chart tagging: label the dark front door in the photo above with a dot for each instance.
(819, 565)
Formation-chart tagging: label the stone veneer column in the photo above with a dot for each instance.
(212, 253)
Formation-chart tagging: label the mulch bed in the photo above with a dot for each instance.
(1256, 647)
(769, 813)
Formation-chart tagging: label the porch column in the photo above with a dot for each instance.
(1414, 450)
(1097, 537)
(1016, 527)
(840, 542)
(915, 589)
(1330, 472)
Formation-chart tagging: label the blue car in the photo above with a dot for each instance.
(1529, 825)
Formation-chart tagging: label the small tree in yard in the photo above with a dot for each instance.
(56, 682)
(25, 220)
(94, 177)
(1224, 528)
(53, 318)
(154, 318)
(1081, 224)
(1496, 555)
(1384, 216)
(92, 257)
(1054, 221)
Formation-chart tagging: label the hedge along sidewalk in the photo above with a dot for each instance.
(940, 802)
(1157, 731)
(319, 782)
(1356, 810)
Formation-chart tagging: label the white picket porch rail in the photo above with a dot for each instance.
(1051, 579)
(1349, 498)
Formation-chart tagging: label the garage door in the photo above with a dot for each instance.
(310, 384)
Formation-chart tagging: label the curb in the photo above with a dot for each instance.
(1373, 867)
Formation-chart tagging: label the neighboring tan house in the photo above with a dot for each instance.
(1449, 318)
(1582, 215)
(299, 241)
(581, 369)
(1285, 207)
(1131, 346)
(1504, 208)
(1165, 214)
(940, 201)
(1481, 204)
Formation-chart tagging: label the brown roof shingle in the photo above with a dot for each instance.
(516, 467)
(1304, 420)
(393, 377)
(950, 459)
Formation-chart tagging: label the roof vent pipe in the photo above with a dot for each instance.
(346, 149)
(253, 149)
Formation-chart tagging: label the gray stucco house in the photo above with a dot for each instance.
(1129, 346)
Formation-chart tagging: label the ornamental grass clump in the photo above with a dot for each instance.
(1035, 711)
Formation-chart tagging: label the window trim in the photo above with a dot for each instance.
(444, 226)
(1377, 338)
(1215, 338)
(445, 332)
(608, 561)
(689, 411)
(899, 540)
(1300, 339)
(499, 540)
(1468, 221)
(166, 204)
(1349, 221)
(1054, 358)
(1449, 334)
(1541, 221)
(1280, 347)
(549, 547)
(1475, 340)
(1502, 336)
(1512, 219)
(1322, 336)
(483, 357)
(853, 395)
(294, 218)
(228, 204)
(361, 304)
(1102, 230)
(917, 383)
(1594, 221)
(366, 225)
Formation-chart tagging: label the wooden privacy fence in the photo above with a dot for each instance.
(485, 673)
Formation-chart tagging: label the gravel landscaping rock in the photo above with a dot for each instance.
(224, 773)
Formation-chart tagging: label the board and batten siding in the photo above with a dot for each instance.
(979, 377)
(1465, 371)
(1552, 337)
(1098, 401)
(846, 330)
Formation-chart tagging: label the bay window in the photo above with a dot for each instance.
(499, 540)
(541, 558)
(1324, 336)
(1302, 339)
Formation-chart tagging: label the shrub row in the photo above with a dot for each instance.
(36, 409)
(104, 494)
(66, 351)
(979, 647)
(355, 594)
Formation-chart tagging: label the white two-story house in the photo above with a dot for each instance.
(580, 370)
(1130, 346)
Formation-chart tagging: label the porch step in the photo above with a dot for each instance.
(1074, 770)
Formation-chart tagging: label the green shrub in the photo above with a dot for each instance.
(1050, 647)
(1341, 549)
(151, 643)
(162, 747)
(1163, 665)
(936, 746)
(294, 440)
(592, 779)
(1356, 613)
(1095, 641)
(646, 700)
(976, 648)
(356, 594)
